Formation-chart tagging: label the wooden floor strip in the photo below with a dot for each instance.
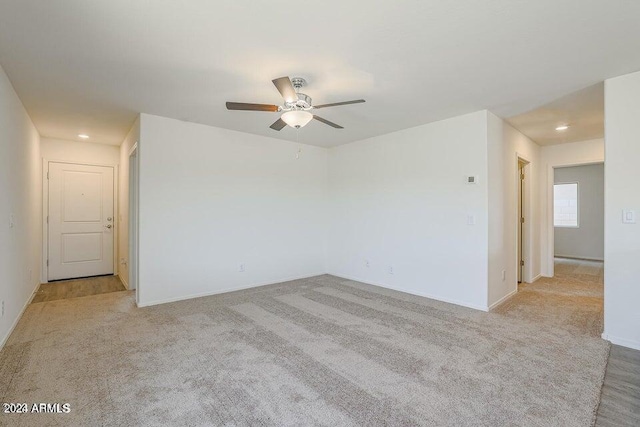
(78, 288)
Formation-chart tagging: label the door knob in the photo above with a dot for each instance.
(108, 225)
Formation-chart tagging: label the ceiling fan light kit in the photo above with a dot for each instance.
(297, 106)
(297, 118)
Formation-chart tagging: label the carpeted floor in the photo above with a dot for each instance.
(571, 300)
(319, 351)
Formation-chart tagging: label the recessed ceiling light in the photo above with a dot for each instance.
(83, 136)
(562, 127)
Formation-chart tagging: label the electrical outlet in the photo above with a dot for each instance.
(12, 221)
(2, 308)
(390, 269)
(504, 275)
(366, 263)
(241, 268)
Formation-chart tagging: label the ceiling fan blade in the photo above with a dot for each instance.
(327, 122)
(278, 124)
(335, 104)
(251, 107)
(286, 89)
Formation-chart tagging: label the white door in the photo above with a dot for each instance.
(81, 220)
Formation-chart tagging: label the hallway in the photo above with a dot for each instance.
(573, 300)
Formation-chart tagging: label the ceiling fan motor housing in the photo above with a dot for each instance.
(303, 102)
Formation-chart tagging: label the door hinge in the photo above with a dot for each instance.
(522, 262)
(47, 263)
(47, 174)
(47, 219)
(522, 176)
(522, 220)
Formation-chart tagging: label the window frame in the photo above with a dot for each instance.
(577, 204)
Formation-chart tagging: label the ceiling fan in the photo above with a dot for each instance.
(297, 106)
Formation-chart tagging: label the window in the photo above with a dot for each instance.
(565, 205)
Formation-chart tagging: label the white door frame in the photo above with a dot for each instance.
(527, 212)
(550, 231)
(133, 219)
(45, 212)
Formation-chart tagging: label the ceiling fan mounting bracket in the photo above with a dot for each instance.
(298, 82)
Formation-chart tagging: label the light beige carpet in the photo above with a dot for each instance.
(319, 351)
(572, 300)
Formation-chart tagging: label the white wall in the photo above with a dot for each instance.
(552, 156)
(20, 195)
(505, 145)
(400, 200)
(587, 240)
(123, 202)
(622, 191)
(79, 152)
(212, 198)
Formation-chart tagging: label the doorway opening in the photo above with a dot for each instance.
(578, 212)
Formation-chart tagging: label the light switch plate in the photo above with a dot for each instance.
(628, 216)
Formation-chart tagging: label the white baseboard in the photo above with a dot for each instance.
(124, 282)
(15, 323)
(586, 258)
(504, 298)
(539, 276)
(624, 342)
(420, 294)
(226, 290)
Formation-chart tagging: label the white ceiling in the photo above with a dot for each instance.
(582, 111)
(90, 66)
